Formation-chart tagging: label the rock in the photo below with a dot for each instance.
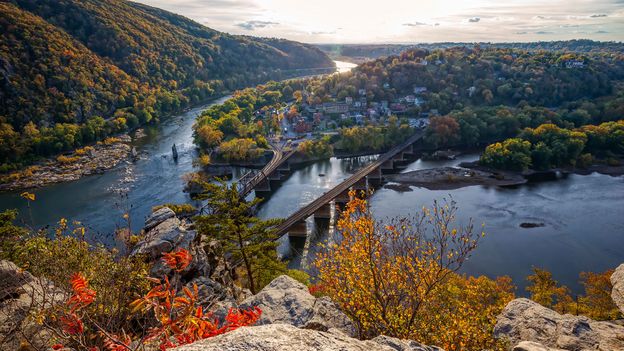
(282, 337)
(617, 280)
(532, 346)
(157, 217)
(525, 320)
(21, 294)
(285, 300)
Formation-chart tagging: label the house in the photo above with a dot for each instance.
(410, 99)
(348, 100)
(574, 64)
(471, 91)
(362, 92)
(335, 107)
(420, 90)
(397, 108)
(386, 86)
(423, 62)
(384, 104)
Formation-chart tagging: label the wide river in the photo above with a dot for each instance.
(583, 215)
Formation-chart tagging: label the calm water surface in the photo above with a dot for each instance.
(583, 217)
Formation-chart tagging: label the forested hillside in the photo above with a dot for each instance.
(82, 70)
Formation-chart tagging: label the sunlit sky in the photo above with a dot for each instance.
(408, 21)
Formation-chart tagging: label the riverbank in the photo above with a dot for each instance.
(597, 167)
(449, 178)
(89, 160)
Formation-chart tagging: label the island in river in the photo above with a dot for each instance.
(448, 178)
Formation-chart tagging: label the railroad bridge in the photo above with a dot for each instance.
(372, 175)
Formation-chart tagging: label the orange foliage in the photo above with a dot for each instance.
(179, 260)
(179, 317)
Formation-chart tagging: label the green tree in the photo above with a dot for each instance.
(248, 239)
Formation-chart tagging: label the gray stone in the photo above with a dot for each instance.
(532, 346)
(285, 300)
(20, 295)
(158, 217)
(525, 320)
(617, 280)
(285, 337)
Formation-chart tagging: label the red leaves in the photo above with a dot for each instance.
(179, 260)
(82, 295)
(57, 346)
(72, 324)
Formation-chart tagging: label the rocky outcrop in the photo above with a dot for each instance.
(282, 337)
(21, 294)
(164, 232)
(533, 346)
(617, 293)
(525, 320)
(285, 300)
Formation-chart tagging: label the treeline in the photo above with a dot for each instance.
(379, 50)
(64, 64)
(549, 146)
(456, 78)
(374, 138)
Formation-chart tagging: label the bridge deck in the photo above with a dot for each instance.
(251, 180)
(312, 207)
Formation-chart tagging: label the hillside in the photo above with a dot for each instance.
(71, 61)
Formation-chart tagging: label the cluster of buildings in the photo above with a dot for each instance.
(359, 110)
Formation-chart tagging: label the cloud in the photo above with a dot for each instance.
(253, 25)
(598, 15)
(541, 32)
(414, 24)
(601, 32)
(521, 33)
(474, 19)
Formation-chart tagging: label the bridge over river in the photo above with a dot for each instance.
(278, 168)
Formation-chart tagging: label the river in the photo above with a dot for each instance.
(583, 215)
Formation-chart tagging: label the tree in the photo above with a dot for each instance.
(246, 238)
(597, 302)
(547, 292)
(442, 131)
(512, 154)
(208, 136)
(398, 278)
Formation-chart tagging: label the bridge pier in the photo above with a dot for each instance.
(299, 229)
(375, 178)
(324, 212)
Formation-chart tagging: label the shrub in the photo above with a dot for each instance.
(179, 209)
(398, 278)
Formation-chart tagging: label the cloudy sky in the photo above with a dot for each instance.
(408, 21)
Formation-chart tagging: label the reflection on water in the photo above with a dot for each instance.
(583, 217)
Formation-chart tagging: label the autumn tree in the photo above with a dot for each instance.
(597, 303)
(248, 239)
(398, 278)
(547, 292)
(442, 131)
(208, 136)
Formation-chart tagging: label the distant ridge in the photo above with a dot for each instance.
(64, 63)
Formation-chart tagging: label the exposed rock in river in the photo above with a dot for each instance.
(446, 178)
(98, 158)
(526, 320)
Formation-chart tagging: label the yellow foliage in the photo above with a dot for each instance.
(398, 278)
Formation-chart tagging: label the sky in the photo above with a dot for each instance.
(408, 21)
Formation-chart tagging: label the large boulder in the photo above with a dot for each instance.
(285, 300)
(617, 293)
(285, 337)
(526, 320)
(21, 295)
(533, 346)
